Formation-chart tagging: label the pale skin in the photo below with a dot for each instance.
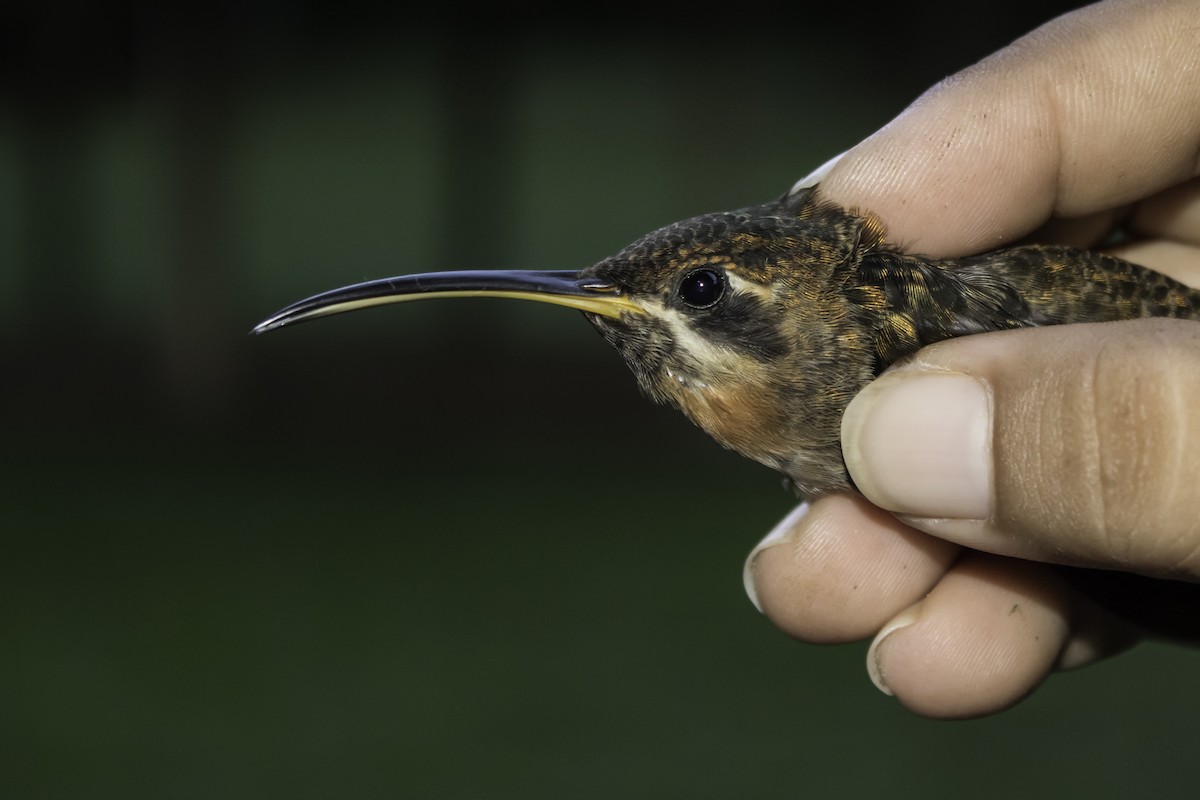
(1063, 445)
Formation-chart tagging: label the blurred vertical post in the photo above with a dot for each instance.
(51, 83)
(194, 64)
(477, 90)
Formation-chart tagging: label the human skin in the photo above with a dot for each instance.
(987, 455)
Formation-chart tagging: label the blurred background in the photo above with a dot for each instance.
(444, 550)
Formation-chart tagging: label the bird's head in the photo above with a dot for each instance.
(736, 318)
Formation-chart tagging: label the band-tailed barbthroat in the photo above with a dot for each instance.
(761, 324)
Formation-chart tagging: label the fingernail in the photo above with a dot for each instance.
(919, 443)
(874, 666)
(778, 534)
(817, 175)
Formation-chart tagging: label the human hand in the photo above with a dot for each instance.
(1061, 445)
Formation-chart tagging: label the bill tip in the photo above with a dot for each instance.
(264, 326)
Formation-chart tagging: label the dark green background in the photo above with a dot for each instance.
(444, 550)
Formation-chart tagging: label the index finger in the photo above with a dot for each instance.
(1092, 111)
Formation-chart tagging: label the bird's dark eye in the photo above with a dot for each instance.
(702, 288)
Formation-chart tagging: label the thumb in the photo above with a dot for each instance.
(1076, 444)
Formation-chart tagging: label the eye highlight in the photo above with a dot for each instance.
(702, 288)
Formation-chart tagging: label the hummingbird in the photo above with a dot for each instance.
(761, 324)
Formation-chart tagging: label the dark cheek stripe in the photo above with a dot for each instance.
(744, 324)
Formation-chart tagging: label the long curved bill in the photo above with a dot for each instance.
(564, 288)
